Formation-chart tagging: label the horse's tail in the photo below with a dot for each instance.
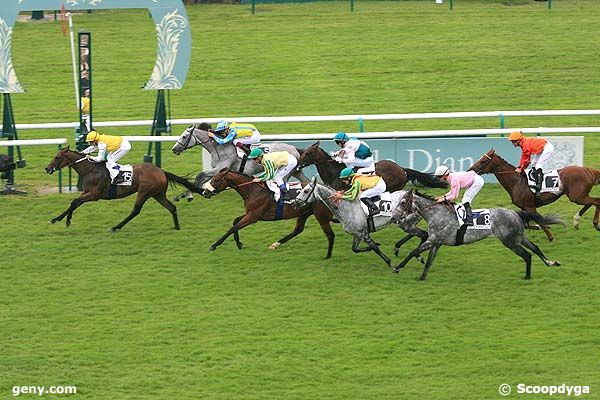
(539, 219)
(179, 180)
(424, 179)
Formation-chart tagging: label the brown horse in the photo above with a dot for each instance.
(576, 183)
(260, 206)
(148, 181)
(395, 176)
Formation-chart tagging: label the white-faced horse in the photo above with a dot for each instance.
(225, 155)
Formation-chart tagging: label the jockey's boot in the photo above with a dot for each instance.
(243, 163)
(243, 147)
(117, 179)
(283, 193)
(539, 176)
(468, 214)
(370, 206)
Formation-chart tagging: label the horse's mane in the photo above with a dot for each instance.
(503, 160)
(240, 173)
(424, 195)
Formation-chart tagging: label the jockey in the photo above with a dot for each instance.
(110, 149)
(354, 153)
(365, 187)
(278, 165)
(458, 180)
(535, 152)
(242, 135)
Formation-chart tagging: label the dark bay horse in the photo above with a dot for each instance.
(148, 181)
(506, 225)
(260, 206)
(576, 184)
(395, 176)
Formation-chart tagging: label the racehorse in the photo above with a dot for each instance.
(395, 176)
(148, 181)
(350, 214)
(576, 183)
(224, 155)
(261, 206)
(507, 225)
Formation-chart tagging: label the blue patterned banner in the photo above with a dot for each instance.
(172, 29)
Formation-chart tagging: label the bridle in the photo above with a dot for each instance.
(313, 186)
(186, 145)
(62, 157)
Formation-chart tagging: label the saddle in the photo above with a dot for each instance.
(293, 190)
(122, 176)
(550, 181)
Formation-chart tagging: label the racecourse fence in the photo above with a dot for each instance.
(360, 119)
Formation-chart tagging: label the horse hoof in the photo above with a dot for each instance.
(554, 263)
(114, 229)
(176, 199)
(274, 246)
(527, 278)
(396, 251)
(52, 221)
(240, 246)
(190, 199)
(422, 278)
(212, 248)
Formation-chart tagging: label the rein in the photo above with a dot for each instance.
(73, 163)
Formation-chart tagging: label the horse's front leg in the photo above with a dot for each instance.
(430, 258)
(415, 253)
(356, 245)
(84, 197)
(246, 220)
(367, 238)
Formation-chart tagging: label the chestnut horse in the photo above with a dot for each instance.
(148, 181)
(395, 176)
(260, 206)
(575, 182)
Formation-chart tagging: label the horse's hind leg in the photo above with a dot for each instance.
(538, 252)
(137, 207)
(518, 249)
(163, 201)
(578, 215)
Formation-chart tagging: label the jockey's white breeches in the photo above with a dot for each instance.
(374, 191)
(359, 162)
(255, 138)
(473, 189)
(283, 172)
(540, 160)
(114, 156)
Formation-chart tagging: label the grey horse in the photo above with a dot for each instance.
(224, 156)
(351, 215)
(507, 225)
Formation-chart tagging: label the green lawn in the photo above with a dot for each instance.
(150, 313)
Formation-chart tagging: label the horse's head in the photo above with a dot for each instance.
(306, 195)
(59, 161)
(310, 156)
(404, 209)
(218, 183)
(193, 135)
(485, 164)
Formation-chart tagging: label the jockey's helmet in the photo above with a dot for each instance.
(92, 136)
(341, 137)
(514, 136)
(256, 152)
(347, 173)
(441, 170)
(221, 126)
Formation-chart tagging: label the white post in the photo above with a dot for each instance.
(75, 82)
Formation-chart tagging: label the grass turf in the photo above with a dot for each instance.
(150, 313)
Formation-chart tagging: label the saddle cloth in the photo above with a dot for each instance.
(481, 217)
(384, 205)
(124, 175)
(293, 188)
(550, 182)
